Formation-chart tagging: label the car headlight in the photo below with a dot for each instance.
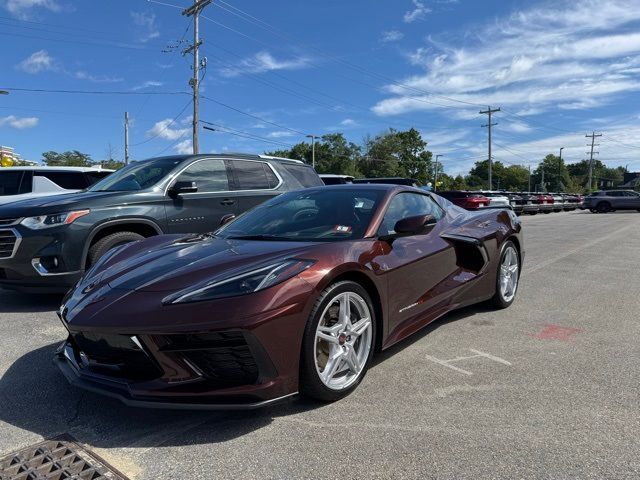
(53, 220)
(242, 283)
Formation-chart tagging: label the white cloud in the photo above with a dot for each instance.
(148, 84)
(418, 13)
(19, 123)
(163, 129)
(82, 75)
(39, 61)
(264, 62)
(348, 122)
(280, 134)
(22, 8)
(533, 60)
(184, 147)
(391, 36)
(148, 30)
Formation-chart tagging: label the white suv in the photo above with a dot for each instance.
(19, 183)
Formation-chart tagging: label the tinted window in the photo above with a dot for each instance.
(93, 177)
(406, 205)
(67, 180)
(14, 182)
(306, 175)
(137, 175)
(253, 175)
(319, 215)
(209, 175)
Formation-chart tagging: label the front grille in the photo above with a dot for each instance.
(8, 221)
(115, 356)
(221, 357)
(8, 240)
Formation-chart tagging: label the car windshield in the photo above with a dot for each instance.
(308, 215)
(136, 176)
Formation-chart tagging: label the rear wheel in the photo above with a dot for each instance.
(508, 276)
(338, 342)
(105, 244)
(603, 207)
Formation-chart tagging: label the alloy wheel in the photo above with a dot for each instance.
(509, 274)
(343, 340)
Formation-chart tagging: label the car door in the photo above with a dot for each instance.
(200, 211)
(253, 182)
(631, 200)
(417, 267)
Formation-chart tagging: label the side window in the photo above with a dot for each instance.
(306, 175)
(93, 177)
(66, 180)
(11, 182)
(253, 175)
(406, 205)
(209, 175)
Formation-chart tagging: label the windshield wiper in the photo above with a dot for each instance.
(256, 237)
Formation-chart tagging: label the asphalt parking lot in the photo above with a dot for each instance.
(549, 388)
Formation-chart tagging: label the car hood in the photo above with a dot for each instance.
(172, 263)
(55, 203)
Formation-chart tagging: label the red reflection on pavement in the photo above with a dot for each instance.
(556, 332)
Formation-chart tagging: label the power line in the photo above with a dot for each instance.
(161, 131)
(239, 133)
(218, 102)
(90, 92)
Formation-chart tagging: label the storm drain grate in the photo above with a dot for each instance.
(58, 459)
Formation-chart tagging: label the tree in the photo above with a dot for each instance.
(72, 158)
(398, 153)
(556, 175)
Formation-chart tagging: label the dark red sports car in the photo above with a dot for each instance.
(294, 296)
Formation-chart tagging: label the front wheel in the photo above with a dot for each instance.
(508, 276)
(105, 244)
(603, 207)
(338, 342)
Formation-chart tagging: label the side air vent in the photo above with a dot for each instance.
(470, 252)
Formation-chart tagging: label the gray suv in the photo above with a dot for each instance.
(611, 200)
(46, 243)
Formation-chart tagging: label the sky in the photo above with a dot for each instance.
(279, 70)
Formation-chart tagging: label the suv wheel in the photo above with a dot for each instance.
(338, 342)
(105, 244)
(603, 207)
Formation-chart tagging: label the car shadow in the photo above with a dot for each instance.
(15, 302)
(36, 397)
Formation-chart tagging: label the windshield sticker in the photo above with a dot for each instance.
(342, 229)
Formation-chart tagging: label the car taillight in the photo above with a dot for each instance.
(473, 203)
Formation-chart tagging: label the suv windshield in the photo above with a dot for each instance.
(137, 176)
(317, 215)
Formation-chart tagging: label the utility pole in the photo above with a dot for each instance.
(542, 180)
(560, 168)
(194, 10)
(313, 149)
(126, 138)
(435, 180)
(529, 179)
(593, 144)
(488, 112)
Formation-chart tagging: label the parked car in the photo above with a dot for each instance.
(558, 202)
(389, 181)
(46, 243)
(496, 199)
(464, 199)
(545, 202)
(516, 201)
(570, 202)
(529, 203)
(611, 200)
(294, 296)
(21, 183)
(331, 179)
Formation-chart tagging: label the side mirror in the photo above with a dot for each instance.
(183, 187)
(227, 218)
(408, 226)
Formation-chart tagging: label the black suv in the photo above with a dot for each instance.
(46, 243)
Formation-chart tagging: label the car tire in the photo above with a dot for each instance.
(344, 350)
(603, 207)
(105, 244)
(509, 258)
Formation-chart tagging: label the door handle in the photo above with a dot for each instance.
(227, 201)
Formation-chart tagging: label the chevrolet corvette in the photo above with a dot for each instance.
(294, 296)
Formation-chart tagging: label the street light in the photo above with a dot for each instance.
(560, 167)
(313, 149)
(435, 180)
